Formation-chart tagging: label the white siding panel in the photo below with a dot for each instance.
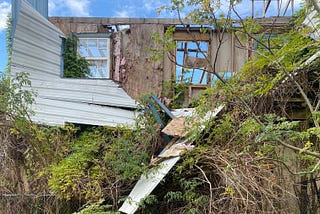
(49, 54)
(36, 43)
(56, 112)
(33, 74)
(35, 63)
(95, 92)
(37, 50)
(146, 185)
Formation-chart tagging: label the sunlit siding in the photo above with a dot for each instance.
(36, 44)
(37, 50)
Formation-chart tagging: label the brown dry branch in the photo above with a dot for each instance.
(246, 185)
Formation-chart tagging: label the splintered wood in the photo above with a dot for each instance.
(177, 127)
(174, 149)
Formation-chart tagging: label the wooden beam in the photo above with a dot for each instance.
(163, 21)
(192, 36)
(118, 21)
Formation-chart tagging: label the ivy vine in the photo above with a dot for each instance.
(75, 66)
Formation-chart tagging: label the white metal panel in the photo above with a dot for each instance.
(33, 73)
(56, 112)
(37, 45)
(146, 185)
(312, 58)
(183, 112)
(36, 42)
(97, 92)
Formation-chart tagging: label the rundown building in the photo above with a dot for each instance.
(37, 50)
(131, 43)
(121, 62)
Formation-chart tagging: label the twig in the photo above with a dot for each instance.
(210, 187)
(292, 172)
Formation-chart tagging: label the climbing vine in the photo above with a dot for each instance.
(74, 65)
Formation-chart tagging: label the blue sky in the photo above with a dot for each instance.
(102, 8)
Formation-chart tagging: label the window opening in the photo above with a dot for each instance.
(191, 62)
(97, 52)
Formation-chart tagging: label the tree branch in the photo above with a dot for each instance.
(292, 172)
(210, 187)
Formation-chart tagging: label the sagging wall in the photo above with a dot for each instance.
(132, 65)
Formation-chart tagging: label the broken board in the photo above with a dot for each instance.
(146, 185)
(176, 127)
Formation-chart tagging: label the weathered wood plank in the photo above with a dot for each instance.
(165, 21)
(141, 74)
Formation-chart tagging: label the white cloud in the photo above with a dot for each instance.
(145, 8)
(153, 5)
(122, 14)
(127, 11)
(69, 7)
(5, 8)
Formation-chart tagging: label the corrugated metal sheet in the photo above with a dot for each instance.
(37, 50)
(36, 45)
(41, 6)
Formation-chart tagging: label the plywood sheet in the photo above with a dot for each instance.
(177, 127)
(141, 74)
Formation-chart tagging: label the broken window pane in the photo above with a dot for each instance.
(97, 53)
(191, 62)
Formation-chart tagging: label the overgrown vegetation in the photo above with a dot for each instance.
(245, 161)
(243, 158)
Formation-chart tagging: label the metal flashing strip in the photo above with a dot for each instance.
(146, 185)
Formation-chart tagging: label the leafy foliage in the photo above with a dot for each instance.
(8, 45)
(96, 208)
(98, 157)
(239, 156)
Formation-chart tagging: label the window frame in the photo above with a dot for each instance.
(192, 35)
(96, 59)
